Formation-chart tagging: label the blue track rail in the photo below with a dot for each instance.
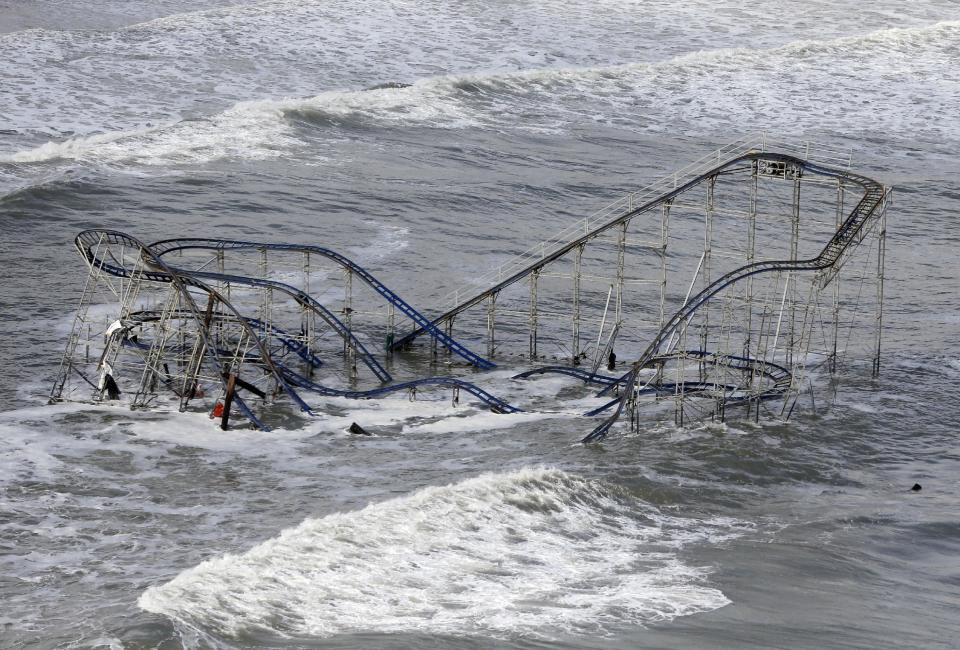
(305, 299)
(299, 348)
(868, 184)
(156, 270)
(845, 235)
(285, 338)
(495, 403)
(88, 245)
(423, 323)
(768, 369)
(780, 377)
(572, 371)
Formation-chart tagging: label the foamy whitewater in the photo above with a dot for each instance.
(522, 553)
(429, 141)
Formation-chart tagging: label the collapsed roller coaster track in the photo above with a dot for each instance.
(267, 318)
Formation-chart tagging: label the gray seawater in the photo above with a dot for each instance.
(156, 530)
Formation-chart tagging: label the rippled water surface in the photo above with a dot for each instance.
(461, 528)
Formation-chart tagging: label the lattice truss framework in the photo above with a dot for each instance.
(731, 283)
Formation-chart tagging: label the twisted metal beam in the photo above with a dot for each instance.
(158, 271)
(423, 323)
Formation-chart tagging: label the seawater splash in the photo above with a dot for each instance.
(530, 552)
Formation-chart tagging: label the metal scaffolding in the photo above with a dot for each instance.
(725, 286)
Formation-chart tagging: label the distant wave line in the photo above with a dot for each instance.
(433, 101)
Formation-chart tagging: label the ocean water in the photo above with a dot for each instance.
(461, 528)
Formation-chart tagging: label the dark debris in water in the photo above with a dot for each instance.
(358, 430)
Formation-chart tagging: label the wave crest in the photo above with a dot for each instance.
(536, 551)
(805, 84)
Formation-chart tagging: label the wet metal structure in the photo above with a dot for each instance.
(725, 289)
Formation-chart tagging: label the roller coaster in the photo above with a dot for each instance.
(732, 285)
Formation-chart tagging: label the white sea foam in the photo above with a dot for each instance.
(804, 85)
(251, 130)
(22, 457)
(388, 241)
(530, 552)
(254, 129)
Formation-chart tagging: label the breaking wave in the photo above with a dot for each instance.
(800, 86)
(251, 130)
(531, 552)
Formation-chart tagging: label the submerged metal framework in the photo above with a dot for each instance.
(729, 285)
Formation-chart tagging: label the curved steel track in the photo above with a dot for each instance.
(844, 236)
(424, 324)
(155, 269)
(87, 243)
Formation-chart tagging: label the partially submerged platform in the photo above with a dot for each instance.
(718, 291)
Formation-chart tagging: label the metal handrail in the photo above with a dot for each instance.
(615, 212)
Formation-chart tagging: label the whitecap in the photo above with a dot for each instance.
(792, 88)
(530, 552)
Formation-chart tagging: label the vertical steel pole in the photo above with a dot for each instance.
(391, 328)
(621, 255)
(577, 269)
(306, 326)
(533, 318)
(836, 286)
(448, 329)
(347, 306)
(664, 237)
(881, 256)
(262, 270)
(679, 389)
(751, 254)
(221, 266)
(707, 250)
(794, 246)
(267, 295)
(491, 325)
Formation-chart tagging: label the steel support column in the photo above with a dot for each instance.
(881, 259)
(577, 270)
(533, 316)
